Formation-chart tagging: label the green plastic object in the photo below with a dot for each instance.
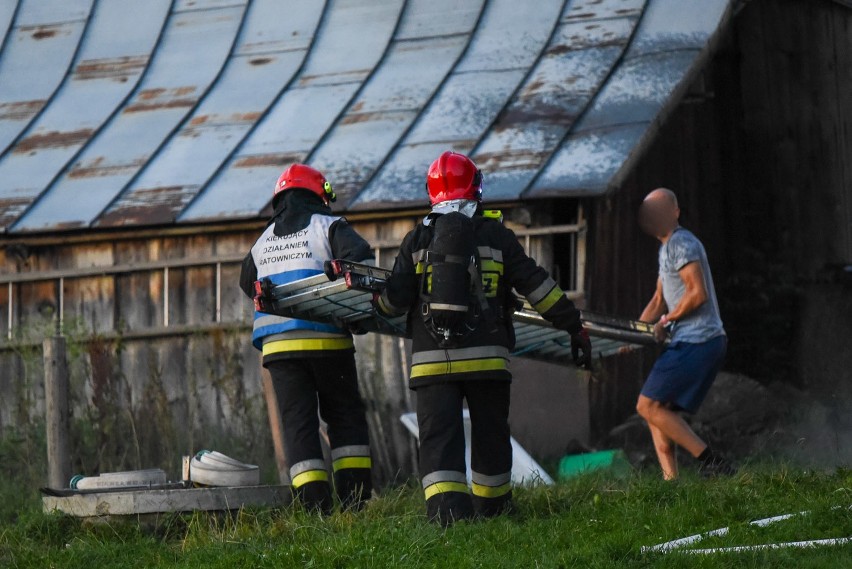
(577, 464)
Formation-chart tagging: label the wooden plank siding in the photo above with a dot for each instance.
(171, 387)
(759, 152)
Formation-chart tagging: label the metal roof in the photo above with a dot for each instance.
(117, 112)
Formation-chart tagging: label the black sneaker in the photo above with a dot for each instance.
(714, 466)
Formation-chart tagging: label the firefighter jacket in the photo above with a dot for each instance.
(301, 235)
(484, 353)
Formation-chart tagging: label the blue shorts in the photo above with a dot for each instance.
(683, 374)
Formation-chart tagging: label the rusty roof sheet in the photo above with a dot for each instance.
(161, 112)
(270, 50)
(103, 75)
(43, 37)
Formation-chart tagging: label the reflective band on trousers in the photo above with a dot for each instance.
(442, 481)
(351, 456)
(350, 450)
(310, 476)
(352, 462)
(443, 487)
(307, 345)
(444, 476)
(491, 491)
(312, 470)
(441, 368)
(491, 485)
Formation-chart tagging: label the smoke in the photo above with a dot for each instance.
(752, 421)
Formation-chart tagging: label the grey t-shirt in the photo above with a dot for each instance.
(705, 322)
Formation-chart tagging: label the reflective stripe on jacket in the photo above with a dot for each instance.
(504, 266)
(287, 258)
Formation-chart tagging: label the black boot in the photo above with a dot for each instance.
(713, 465)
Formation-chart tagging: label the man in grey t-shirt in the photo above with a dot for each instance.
(684, 306)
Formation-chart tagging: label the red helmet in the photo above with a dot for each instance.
(453, 176)
(306, 178)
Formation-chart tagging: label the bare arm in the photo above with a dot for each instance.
(656, 307)
(695, 295)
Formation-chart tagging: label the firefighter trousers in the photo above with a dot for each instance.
(300, 384)
(442, 449)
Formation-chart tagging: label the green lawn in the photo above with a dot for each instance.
(589, 522)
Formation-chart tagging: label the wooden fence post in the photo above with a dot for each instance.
(276, 425)
(56, 410)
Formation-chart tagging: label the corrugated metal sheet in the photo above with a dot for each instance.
(349, 45)
(470, 99)
(191, 115)
(196, 42)
(44, 36)
(667, 45)
(271, 48)
(578, 61)
(396, 94)
(7, 15)
(108, 67)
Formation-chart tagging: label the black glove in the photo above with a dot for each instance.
(580, 342)
(377, 307)
(355, 329)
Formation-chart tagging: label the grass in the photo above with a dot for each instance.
(588, 522)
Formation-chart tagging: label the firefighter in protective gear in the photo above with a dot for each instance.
(476, 369)
(309, 362)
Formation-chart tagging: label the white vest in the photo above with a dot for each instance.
(288, 258)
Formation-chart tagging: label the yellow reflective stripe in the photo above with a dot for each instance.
(491, 266)
(352, 462)
(491, 491)
(491, 272)
(441, 487)
(387, 307)
(310, 476)
(307, 345)
(440, 368)
(548, 301)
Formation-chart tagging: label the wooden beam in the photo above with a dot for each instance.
(161, 501)
(56, 410)
(276, 424)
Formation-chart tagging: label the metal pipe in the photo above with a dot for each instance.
(166, 297)
(61, 295)
(228, 259)
(119, 269)
(11, 312)
(218, 292)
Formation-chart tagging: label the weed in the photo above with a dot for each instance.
(593, 521)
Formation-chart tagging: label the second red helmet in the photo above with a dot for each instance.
(453, 176)
(304, 177)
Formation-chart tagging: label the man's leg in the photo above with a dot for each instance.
(665, 450)
(442, 465)
(295, 390)
(670, 424)
(342, 409)
(491, 447)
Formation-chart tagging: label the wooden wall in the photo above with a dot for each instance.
(144, 392)
(759, 153)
